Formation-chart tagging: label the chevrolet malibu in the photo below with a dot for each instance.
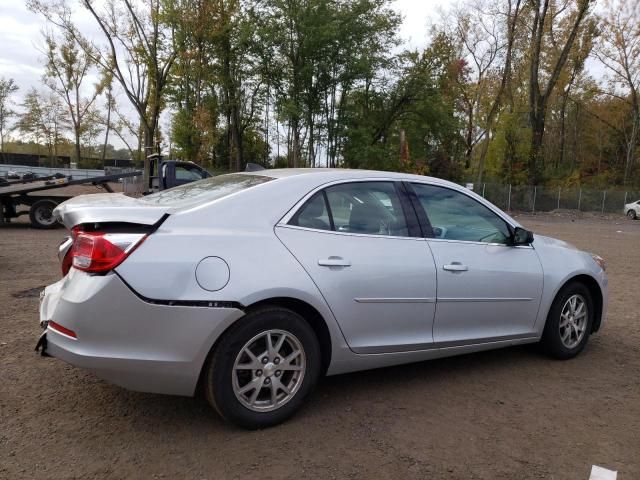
(253, 285)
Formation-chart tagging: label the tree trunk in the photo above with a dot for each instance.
(266, 128)
(106, 134)
(77, 147)
(563, 130)
(536, 152)
(296, 142)
(483, 155)
(148, 150)
(311, 154)
(228, 140)
(469, 138)
(237, 139)
(631, 147)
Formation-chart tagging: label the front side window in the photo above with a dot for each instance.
(371, 208)
(455, 216)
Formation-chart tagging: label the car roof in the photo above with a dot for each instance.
(346, 173)
(272, 201)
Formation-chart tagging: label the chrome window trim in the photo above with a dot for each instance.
(350, 234)
(284, 221)
(471, 242)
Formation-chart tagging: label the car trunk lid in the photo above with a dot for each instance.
(109, 208)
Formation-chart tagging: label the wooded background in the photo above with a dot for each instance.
(512, 91)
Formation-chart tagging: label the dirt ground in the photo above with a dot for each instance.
(506, 414)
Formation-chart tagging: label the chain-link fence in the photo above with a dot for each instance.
(527, 198)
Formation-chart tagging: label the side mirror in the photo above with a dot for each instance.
(521, 237)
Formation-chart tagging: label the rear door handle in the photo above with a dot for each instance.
(334, 262)
(455, 267)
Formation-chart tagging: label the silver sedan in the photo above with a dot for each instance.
(253, 285)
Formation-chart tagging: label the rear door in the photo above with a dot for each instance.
(487, 289)
(365, 254)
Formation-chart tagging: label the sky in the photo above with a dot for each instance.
(21, 38)
(21, 42)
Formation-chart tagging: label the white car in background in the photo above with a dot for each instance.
(632, 210)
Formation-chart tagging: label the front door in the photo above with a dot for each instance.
(487, 289)
(379, 281)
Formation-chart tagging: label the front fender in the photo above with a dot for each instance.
(560, 265)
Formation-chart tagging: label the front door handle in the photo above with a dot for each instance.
(334, 262)
(455, 267)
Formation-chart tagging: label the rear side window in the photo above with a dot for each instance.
(313, 214)
(371, 208)
(206, 190)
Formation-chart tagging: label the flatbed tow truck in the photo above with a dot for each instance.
(41, 206)
(161, 175)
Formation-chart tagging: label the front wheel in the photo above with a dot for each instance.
(263, 368)
(569, 322)
(632, 214)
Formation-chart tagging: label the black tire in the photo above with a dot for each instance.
(551, 338)
(41, 214)
(632, 214)
(218, 378)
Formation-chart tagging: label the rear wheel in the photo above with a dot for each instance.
(263, 368)
(632, 214)
(41, 214)
(569, 322)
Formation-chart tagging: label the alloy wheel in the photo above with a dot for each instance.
(268, 370)
(573, 321)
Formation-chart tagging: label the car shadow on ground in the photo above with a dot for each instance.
(335, 392)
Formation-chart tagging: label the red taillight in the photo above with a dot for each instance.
(99, 252)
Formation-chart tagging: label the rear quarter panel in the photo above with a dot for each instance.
(242, 234)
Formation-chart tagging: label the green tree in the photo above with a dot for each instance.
(138, 51)
(619, 52)
(67, 67)
(44, 120)
(552, 23)
(7, 89)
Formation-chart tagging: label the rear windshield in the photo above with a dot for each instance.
(206, 190)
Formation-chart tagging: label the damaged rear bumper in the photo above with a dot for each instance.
(125, 340)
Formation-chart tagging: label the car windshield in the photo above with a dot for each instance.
(206, 190)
